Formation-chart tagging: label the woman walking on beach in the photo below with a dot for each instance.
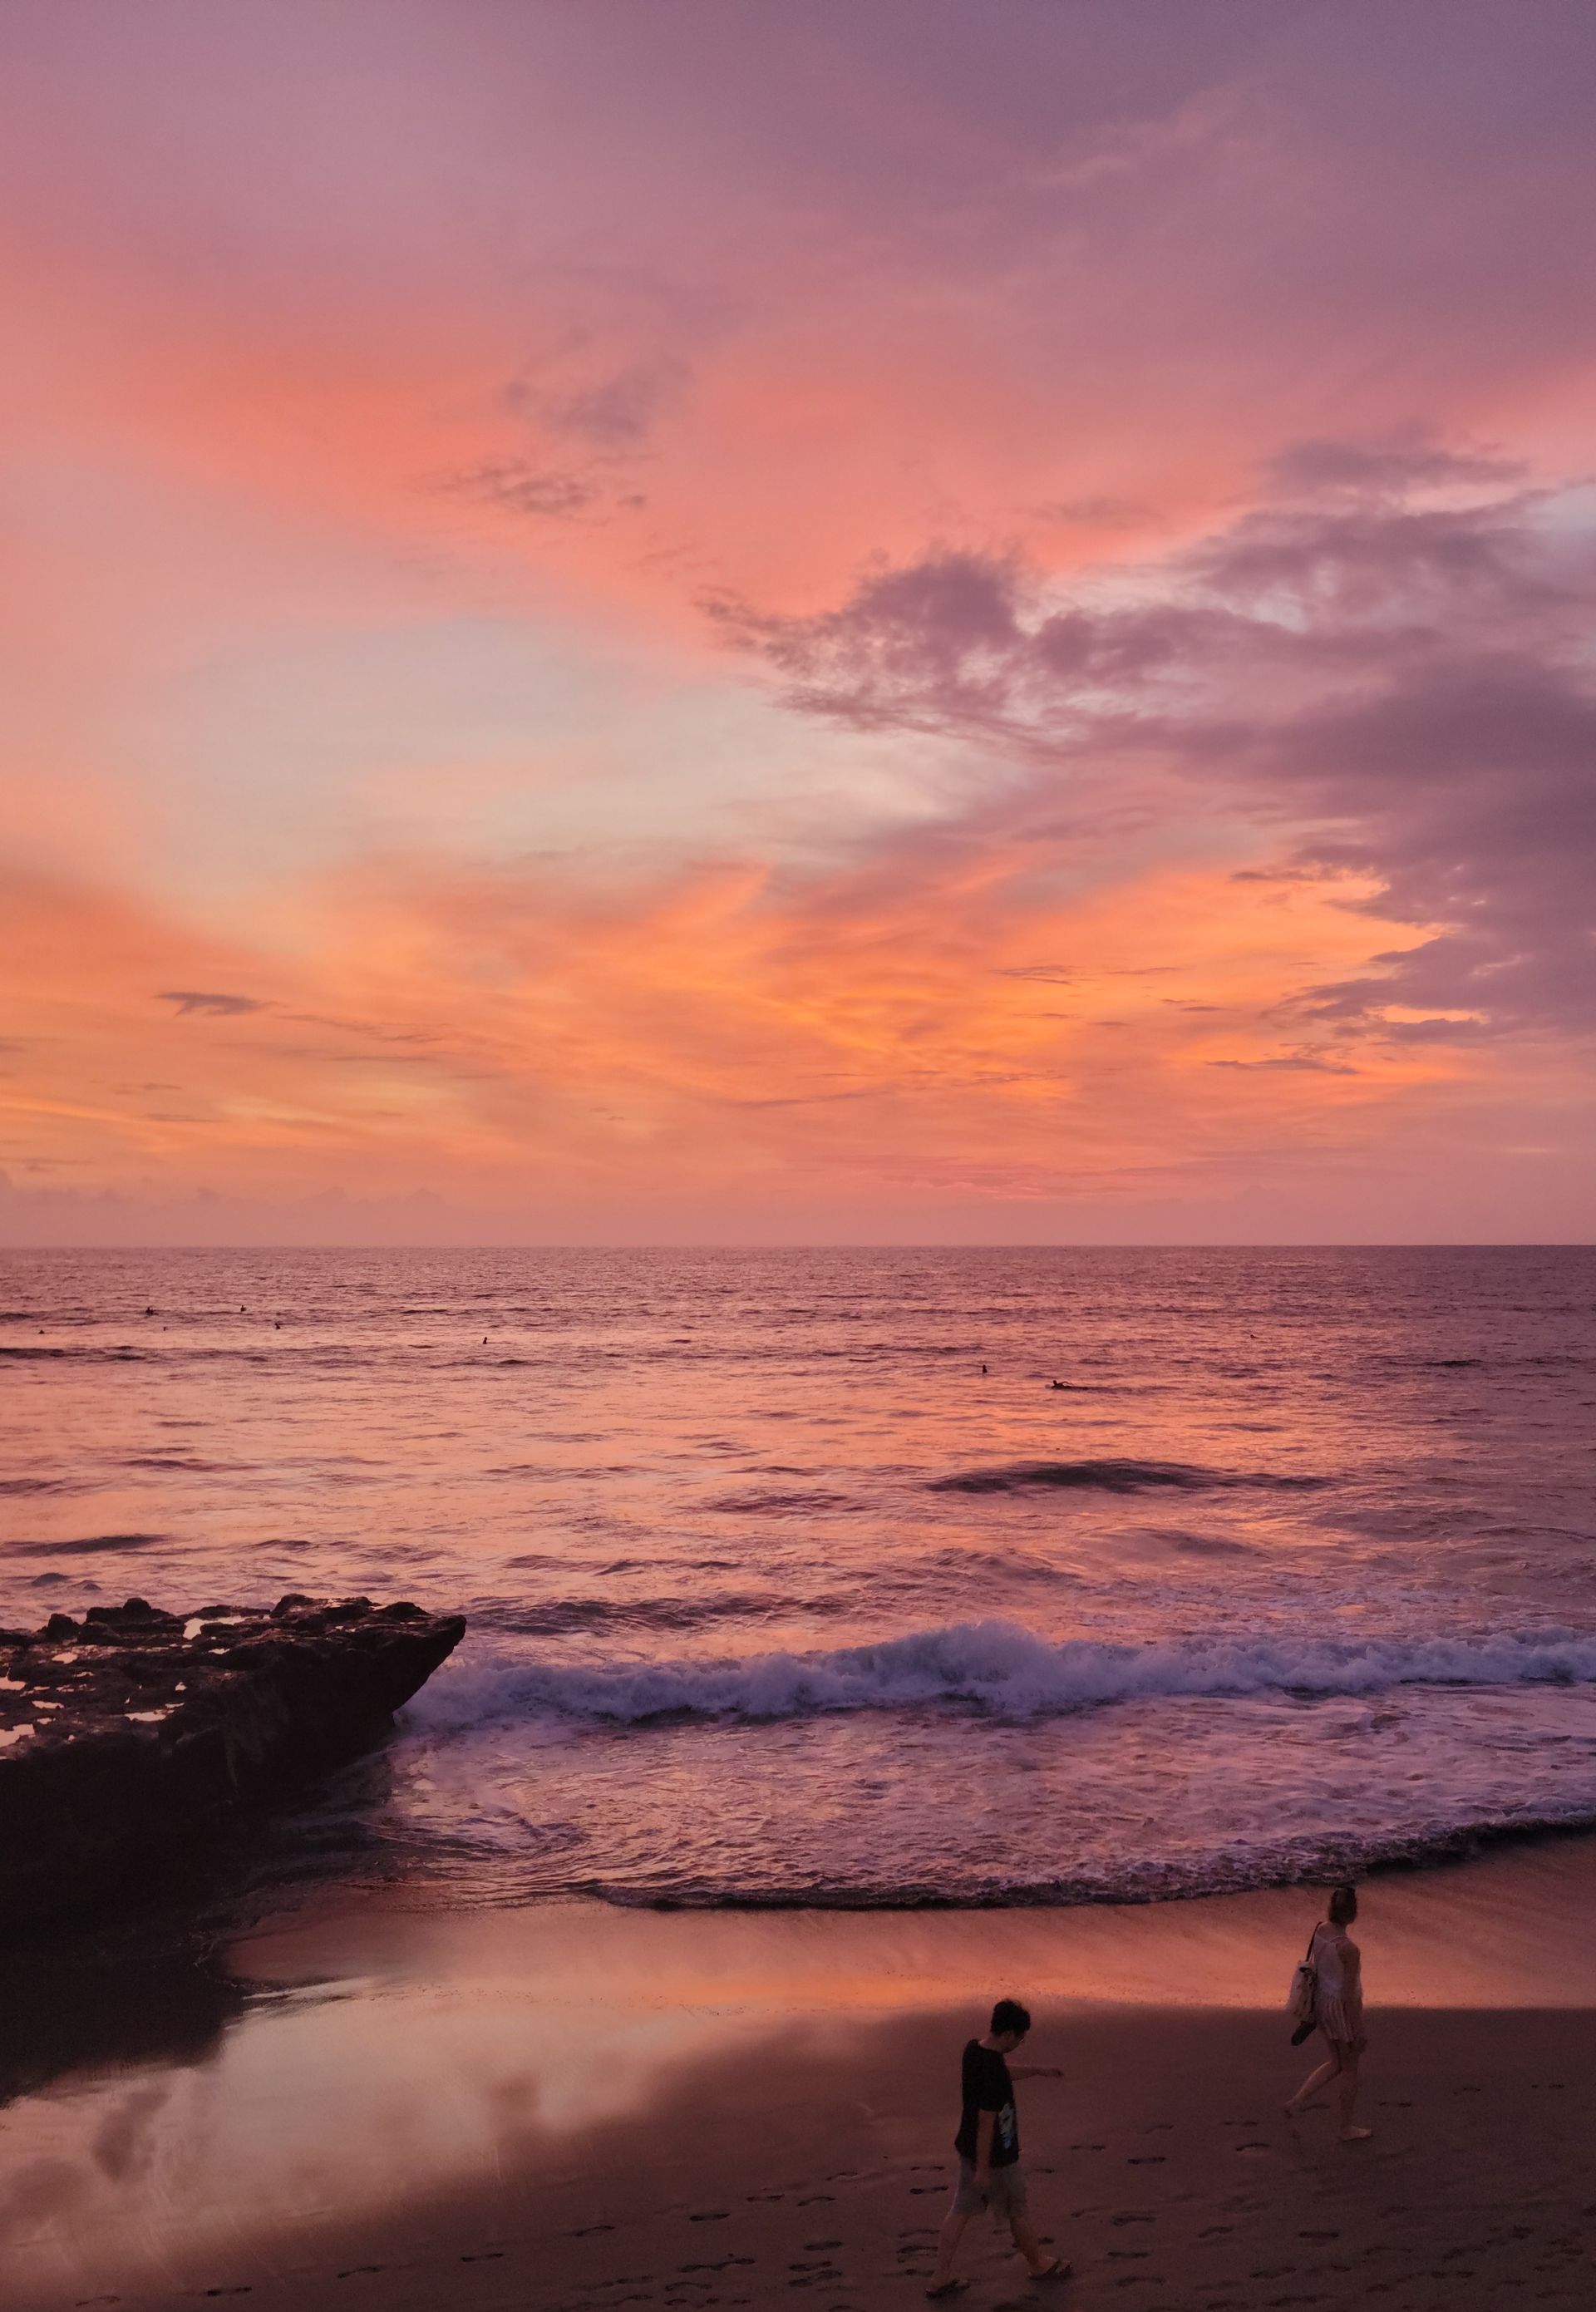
(1338, 2009)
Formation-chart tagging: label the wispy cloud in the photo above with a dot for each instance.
(515, 485)
(192, 999)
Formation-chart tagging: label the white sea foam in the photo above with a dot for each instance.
(996, 1666)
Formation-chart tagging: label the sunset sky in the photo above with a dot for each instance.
(853, 620)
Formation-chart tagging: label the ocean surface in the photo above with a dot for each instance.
(794, 1577)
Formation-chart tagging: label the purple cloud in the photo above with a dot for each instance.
(1383, 469)
(1397, 686)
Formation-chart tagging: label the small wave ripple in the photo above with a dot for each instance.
(87, 1546)
(1112, 1476)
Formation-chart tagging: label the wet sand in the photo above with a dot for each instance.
(578, 2107)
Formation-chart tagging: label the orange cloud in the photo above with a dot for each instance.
(934, 1023)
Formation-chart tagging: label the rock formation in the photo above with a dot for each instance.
(134, 1732)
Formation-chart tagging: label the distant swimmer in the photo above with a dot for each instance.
(277, 1324)
(149, 1312)
(485, 1340)
(982, 1368)
(1058, 1384)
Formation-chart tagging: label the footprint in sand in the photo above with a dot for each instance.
(762, 2199)
(1134, 2220)
(822, 2244)
(1319, 2235)
(242, 2290)
(1146, 2160)
(482, 2255)
(84, 2301)
(1087, 2147)
(709, 2215)
(588, 2230)
(1252, 2147)
(815, 2199)
(355, 2271)
(1129, 2255)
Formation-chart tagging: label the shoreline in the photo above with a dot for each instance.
(1470, 1843)
(533, 2107)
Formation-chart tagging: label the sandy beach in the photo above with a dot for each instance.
(571, 2106)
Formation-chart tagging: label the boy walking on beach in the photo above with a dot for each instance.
(988, 2147)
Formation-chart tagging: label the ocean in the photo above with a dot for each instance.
(860, 1577)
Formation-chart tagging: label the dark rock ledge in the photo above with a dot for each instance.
(133, 1733)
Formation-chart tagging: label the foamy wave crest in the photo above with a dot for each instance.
(993, 1667)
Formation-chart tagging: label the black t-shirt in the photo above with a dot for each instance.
(987, 2086)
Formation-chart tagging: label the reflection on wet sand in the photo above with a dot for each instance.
(93, 2010)
(355, 2068)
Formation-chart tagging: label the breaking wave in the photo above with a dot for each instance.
(994, 1667)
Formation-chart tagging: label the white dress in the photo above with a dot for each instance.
(1336, 2011)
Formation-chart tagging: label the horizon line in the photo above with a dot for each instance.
(834, 1244)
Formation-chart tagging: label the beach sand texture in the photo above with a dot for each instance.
(575, 2108)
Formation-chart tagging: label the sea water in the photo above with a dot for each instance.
(853, 1576)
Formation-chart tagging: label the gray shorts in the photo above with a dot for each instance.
(1004, 2197)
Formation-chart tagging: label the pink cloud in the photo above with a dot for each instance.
(1140, 480)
